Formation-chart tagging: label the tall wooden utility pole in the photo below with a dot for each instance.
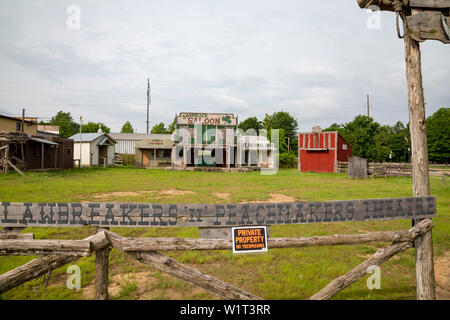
(422, 20)
(148, 104)
(368, 104)
(23, 121)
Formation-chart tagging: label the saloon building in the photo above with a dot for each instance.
(212, 140)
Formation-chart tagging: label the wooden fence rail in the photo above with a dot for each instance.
(390, 169)
(144, 250)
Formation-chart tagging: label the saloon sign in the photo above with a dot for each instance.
(222, 119)
(102, 214)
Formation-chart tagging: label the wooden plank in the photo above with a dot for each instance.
(102, 214)
(435, 4)
(187, 244)
(41, 247)
(10, 235)
(378, 258)
(427, 25)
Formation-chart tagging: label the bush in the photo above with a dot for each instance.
(288, 160)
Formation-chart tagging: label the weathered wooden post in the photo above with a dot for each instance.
(101, 271)
(422, 20)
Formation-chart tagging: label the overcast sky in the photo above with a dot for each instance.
(314, 59)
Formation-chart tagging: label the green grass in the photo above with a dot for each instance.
(292, 273)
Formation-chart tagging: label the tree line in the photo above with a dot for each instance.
(368, 138)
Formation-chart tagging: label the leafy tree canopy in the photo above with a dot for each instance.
(127, 128)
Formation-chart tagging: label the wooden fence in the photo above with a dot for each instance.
(57, 253)
(391, 169)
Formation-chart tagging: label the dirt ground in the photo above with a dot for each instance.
(164, 192)
(442, 276)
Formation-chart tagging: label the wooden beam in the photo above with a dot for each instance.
(377, 259)
(187, 244)
(9, 235)
(184, 272)
(41, 266)
(25, 247)
(101, 272)
(15, 168)
(419, 160)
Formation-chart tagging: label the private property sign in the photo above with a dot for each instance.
(43, 214)
(249, 239)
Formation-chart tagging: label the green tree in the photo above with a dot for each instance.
(361, 135)
(172, 126)
(438, 136)
(127, 128)
(251, 123)
(67, 127)
(92, 127)
(283, 120)
(159, 128)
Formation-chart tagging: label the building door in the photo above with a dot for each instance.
(102, 155)
(145, 158)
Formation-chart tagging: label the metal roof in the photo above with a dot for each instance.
(40, 140)
(89, 137)
(138, 136)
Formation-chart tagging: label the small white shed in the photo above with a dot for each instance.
(94, 149)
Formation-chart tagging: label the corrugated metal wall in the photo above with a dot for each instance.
(126, 146)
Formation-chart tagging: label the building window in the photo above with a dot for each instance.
(68, 152)
(344, 147)
(17, 126)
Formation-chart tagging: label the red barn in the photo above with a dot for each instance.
(320, 151)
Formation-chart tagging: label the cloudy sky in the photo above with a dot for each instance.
(314, 59)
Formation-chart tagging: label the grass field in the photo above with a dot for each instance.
(295, 273)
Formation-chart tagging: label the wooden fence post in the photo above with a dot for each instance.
(101, 272)
(419, 160)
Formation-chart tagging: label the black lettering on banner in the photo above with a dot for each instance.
(410, 209)
(284, 208)
(366, 204)
(431, 205)
(350, 209)
(220, 214)
(378, 207)
(313, 207)
(231, 214)
(143, 214)
(78, 213)
(327, 211)
(245, 215)
(389, 208)
(399, 212)
(27, 215)
(5, 213)
(157, 213)
(173, 214)
(126, 214)
(299, 214)
(338, 211)
(419, 207)
(270, 213)
(93, 213)
(46, 218)
(260, 206)
(195, 214)
(109, 215)
(63, 213)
